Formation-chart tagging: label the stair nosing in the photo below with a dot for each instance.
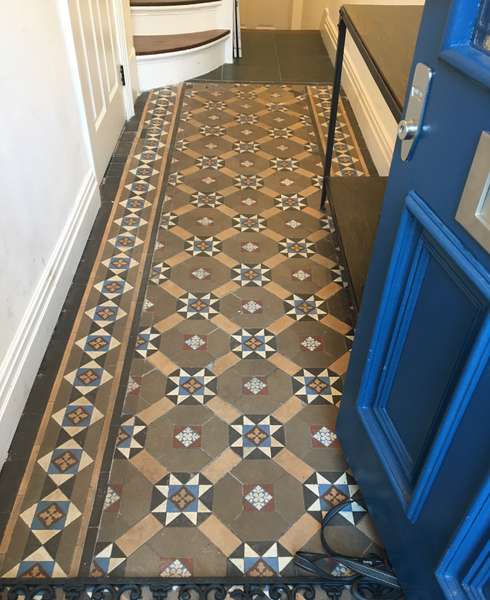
(218, 35)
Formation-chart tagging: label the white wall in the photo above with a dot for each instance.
(48, 193)
(372, 113)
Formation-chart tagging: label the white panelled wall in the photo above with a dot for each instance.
(48, 196)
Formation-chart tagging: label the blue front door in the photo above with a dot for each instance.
(415, 419)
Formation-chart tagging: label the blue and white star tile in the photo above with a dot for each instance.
(160, 273)
(98, 343)
(210, 162)
(253, 343)
(191, 386)
(256, 436)
(324, 490)
(125, 242)
(65, 461)
(130, 222)
(131, 437)
(317, 386)
(105, 314)
(249, 182)
(297, 248)
(255, 275)
(182, 499)
(147, 342)
(199, 246)
(88, 377)
(245, 223)
(38, 565)
(108, 557)
(135, 204)
(113, 287)
(77, 416)
(293, 201)
(284, 164)
(198, 306)
(168, 220)
(202, 200)
(50, 516)
(139, 186)
(144, 171)
(148, 157)
(259, 559)
(305, 308)
(119, 264)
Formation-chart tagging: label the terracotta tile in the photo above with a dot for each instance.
(227, 233)
(162, 363)
(139, 534)
(173, 289)
(223, 363)
(280, 325)
(277, 290)
(300, 533)
(341, 365)
(220, 535)
(155, 410)
(293, 465)
(182, 210)
(181, 232)
(283, 363)
(287, 410)
(329, 290)
(275, 260)
(226, 260)
(223, 410)
(323, 260)
(225, 289)
(316, 236)
(168, 322)
(151, 468)
(227, 210)
(177, 259)
(270, 212)
(272, 235)
(336, 324)
(224, 323)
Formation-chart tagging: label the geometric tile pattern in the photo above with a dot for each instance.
(217, 379)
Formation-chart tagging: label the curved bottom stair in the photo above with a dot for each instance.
(168, 59)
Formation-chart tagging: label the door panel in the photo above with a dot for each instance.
(93, 24)
(414, 418)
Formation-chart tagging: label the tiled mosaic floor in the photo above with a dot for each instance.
(191, 428)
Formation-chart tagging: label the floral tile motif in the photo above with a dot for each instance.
(256, 436)
(182, 499)
(198, 306)
(323, 491)
(191, 386)
(260, 559)
(317, 386)
(216, 433)
(253, 343)
(257, 275)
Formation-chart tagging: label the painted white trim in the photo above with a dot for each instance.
(21, 363)
(157, 70)
(124, 54)
(375, 120)
(170, 20)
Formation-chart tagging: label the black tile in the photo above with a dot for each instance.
(215, 75)
(250, 73)
(10, 477)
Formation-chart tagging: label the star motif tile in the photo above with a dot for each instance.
(256, 275)
(210, 162)
(323, 491)
(88, 377)
(305, 308)
(187, 436)
(168, 220)
(77, 416)
(252, 307)
(182, 499)
(317, 386)
(131, 437)
(147, 342)
(284, 164)
(119, 263)
(198, 246)
(291, 201)
(191, 386)
(106, 313)
(255, 385)
(212, 200)
(260, 559)
(297, 248)
(50, 516)
(249, 223)
(107, 559)
(113, 287)
(160, 273)
(65, 461)
(253, 343)
(38, 565)
(198, 306)
(256, 436)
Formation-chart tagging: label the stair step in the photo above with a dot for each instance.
(163, 44)
(168, 2)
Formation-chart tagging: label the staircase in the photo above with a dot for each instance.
(177, 40)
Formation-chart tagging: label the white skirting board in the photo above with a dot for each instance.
(157, 70)
(373, 116)
(166, 20)
(21, 363)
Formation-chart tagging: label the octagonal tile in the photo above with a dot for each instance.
(311, 344)
(251, 307)
(204, 222)
(249, 202)
(250, 247)
(301, 276)
(200, 274)
(293, 224)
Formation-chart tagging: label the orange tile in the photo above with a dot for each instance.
(137, 535)
(300, 533)
(283, 363)
(173, 289)
(336, 324)
(273, 235)
(277, 290)
(293, 465)
(177, 259)
(224, 323)
(181, 233)
(227, 233)
(162, 363)
(155, 410)
(280, 325)
(341, 365)
(329, 290)
(275, 260)
(225, 289)
(168, 323)
(323, 261)
(149, 466)
(223, 363)
(288, 410)
(219, 535)
(225, 411)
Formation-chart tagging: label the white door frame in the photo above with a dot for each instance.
(124, 56)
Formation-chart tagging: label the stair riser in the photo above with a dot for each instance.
(176, 20)
(165, 69)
